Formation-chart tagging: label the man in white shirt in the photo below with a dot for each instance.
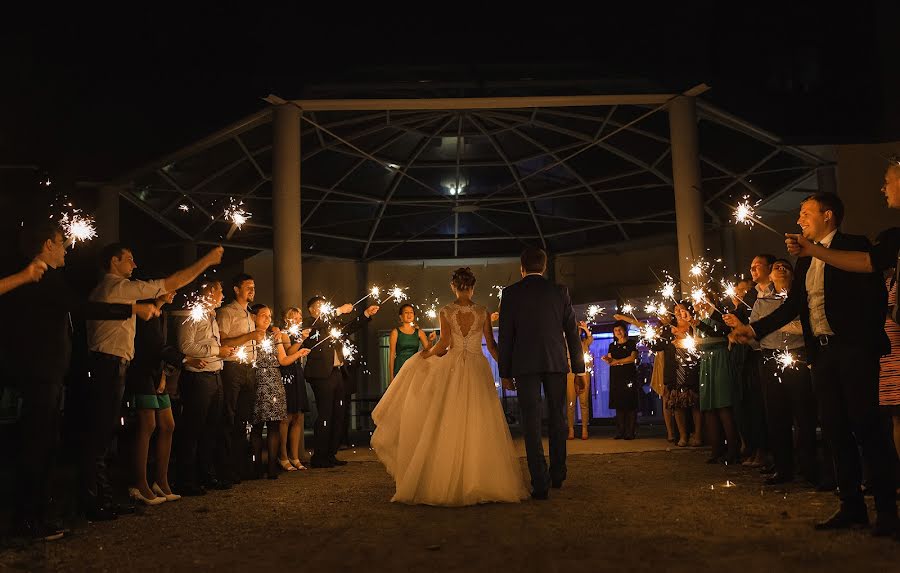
(843, 315)
(111, 345)
(238, 330)
(200, 425)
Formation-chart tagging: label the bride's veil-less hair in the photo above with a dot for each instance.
(463, 279)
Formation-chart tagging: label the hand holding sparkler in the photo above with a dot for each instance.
(743, 334)
(34, 271)
(145, 310)
(371, 311)
(798, 245)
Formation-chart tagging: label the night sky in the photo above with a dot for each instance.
(85, 98)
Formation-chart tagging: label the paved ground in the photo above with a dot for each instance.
(651, 508)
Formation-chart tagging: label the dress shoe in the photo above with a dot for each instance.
(320, 464)
(336, 462)
(885, 526)
(845, 518)
(556, 484)
(135, 494)
(191, 491)
(217, 484)
(542, 495)
(778, 479)
(38, 531)
(169, 496)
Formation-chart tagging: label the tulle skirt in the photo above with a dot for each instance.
(442, 435)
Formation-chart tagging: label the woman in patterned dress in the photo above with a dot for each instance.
(270, 407)
(889, 379)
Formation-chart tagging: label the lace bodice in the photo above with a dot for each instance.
(466, 326)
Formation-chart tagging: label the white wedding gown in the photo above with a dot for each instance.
(441, 432)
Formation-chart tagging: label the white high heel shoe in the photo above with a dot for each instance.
(168, 496)
(135, 494)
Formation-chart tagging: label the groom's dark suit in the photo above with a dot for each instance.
(537, 324)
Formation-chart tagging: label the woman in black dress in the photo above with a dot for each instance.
(623, 385)
(291, 428)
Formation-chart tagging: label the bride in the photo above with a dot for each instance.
(441, 432)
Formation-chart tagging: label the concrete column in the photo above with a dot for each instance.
(826, 178)
(686, 176)
(287, 253)
(107, 215)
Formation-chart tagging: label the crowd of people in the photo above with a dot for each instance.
(236, 376)
(720, 373)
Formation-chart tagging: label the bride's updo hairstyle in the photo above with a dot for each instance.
(463, 279)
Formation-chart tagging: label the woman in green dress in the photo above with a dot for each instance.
(406, 338)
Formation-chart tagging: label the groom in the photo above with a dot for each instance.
(537, 324)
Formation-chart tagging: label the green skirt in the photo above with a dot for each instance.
(717, 388)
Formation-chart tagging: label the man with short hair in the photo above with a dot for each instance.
(537, 327)
(238, 330)
(111, 346)
(842, 314)
(202, 396)
(50, 304)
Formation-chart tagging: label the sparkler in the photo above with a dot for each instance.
(499, 289)
(730, 290)
(649, 334)
(593, 311)
(375, 292)
(349, 351)
(786, 359)
(77, 227)
(184, 207)
(266, 345)
(395, 293)
(241, 355)
(335, 333)
(236, 214)
(199, 308)
(588, 362)
(325, 310)
(668, 290)
(294, 330)
(746, 213)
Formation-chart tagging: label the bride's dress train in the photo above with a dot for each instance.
(441, 432)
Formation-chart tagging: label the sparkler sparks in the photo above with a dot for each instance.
(396, 293)
(746, 213)
(649, 334)
(236, 214)
(199, 308)
(499, 289)
(628, 308)
(184, 207)
(241, 355)
(266, 345)
(668, 290)
(593, 311)
(77, 227)
(294, 330)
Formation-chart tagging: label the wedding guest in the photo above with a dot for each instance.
(623, 385)
(406, 339)
(577, 389)
(238, 330)
(292, 442)
(270, 406)
(111, 345)
(326, 374)
(50, 305)
(145, 384)
(200, 430)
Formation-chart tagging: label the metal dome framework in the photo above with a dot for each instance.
(478, 181)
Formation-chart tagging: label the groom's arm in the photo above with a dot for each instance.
(506, 337)
(570, 327)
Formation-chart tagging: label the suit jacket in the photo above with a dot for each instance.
(320, 362)
(40, 345)
(537, 324)
(855, 303)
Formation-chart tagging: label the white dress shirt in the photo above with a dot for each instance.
(815, 289)
(200, 340)
(235, 320)
(116, 337)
